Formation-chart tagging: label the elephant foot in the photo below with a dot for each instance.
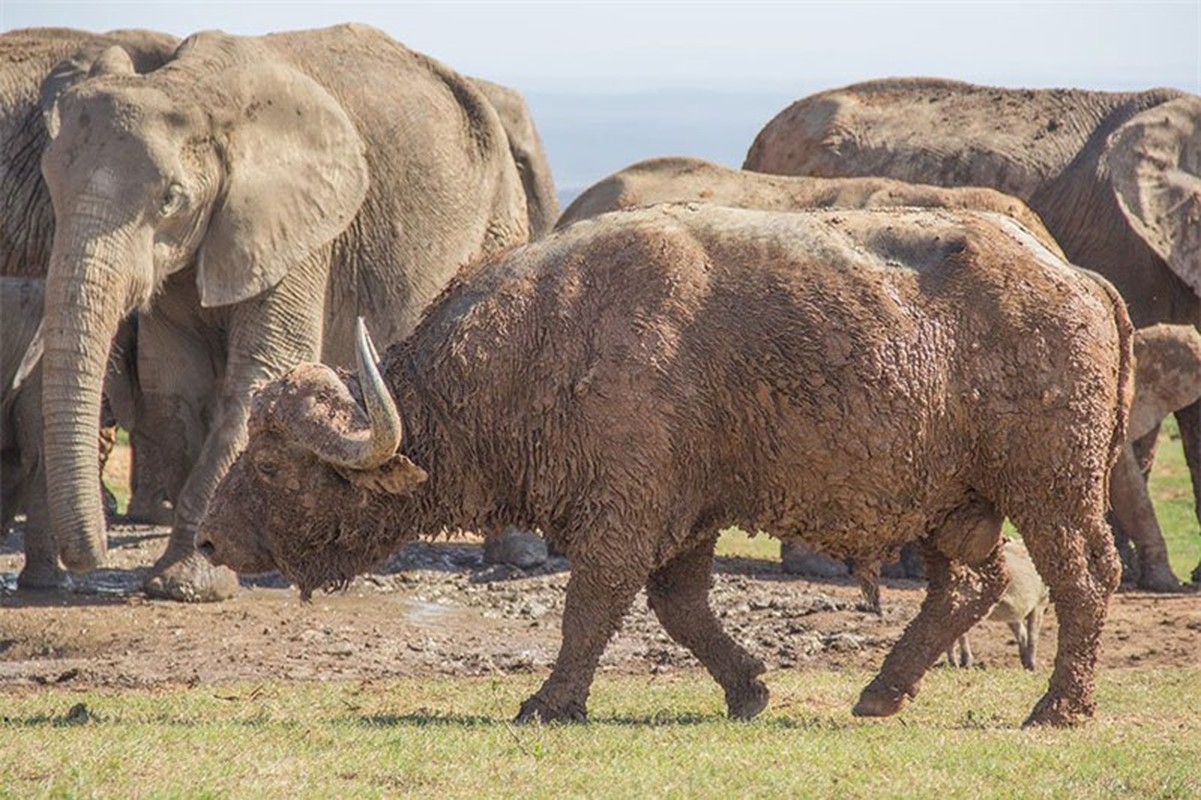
(748, 701)
(189, 578)
(880, 700)
(40, 577)
(150, 511)
(536, 709)
(1057, 712)
(1158, 578)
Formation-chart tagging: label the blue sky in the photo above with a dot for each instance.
(739, 47)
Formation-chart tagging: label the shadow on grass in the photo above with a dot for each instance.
(433, 719)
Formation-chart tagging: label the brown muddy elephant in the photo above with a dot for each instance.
(1114, 175)
(256, 194)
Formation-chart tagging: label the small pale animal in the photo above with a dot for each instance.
(1022, 605)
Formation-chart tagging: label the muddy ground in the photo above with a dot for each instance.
(435, 610)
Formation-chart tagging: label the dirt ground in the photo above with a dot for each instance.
(434, 609)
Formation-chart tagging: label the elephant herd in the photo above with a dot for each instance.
(245, 199)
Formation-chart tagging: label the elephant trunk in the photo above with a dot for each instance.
(88, 292)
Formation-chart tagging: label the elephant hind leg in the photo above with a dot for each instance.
(678, 593)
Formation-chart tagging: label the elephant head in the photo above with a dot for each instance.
(529, 156)
(225, 160)
(1154, 166)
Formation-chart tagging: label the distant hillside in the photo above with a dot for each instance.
(589, 136)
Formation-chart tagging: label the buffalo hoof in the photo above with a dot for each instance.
(538, 710)
(878, 700)
(190, 579)
(1057, 712)
(748, 701)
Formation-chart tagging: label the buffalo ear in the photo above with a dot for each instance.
(397, 475)
(1153, 162)
(295, 176)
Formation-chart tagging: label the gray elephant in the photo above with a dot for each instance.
(38, 60)
(681, 180)
(1113, 175)
(22, 466)
(542, 202)
(1167, 378)
(34, 60)
(22, 478)
(256, 194)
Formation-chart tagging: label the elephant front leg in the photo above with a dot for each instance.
(264, 336)
(1132, 507)
(41, 570)
(179, 367)
(181, 573)
(1189, 421)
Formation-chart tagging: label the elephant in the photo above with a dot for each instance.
(22, 478)
(1167, 378)
(1113, 175)
(34, 60)
(252, 196)
(684, 180)
(38, 60)
(22, 466)
(542, 202)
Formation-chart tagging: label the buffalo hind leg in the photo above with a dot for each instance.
(958, 595)
(597, 598)
(1080, 567)
(678, 593)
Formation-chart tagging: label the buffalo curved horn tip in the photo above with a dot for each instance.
(387, 431)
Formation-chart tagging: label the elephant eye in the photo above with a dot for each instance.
(174, 199)
(268, 469)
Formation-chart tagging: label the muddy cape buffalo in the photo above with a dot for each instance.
(638, 382)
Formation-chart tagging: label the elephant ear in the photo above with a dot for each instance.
(1154, 164)
(86, 63)
(295, 176)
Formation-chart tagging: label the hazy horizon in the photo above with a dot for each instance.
(745, 47)
(612, 83)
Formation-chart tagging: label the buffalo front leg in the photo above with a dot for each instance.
(958, 595)
(678, 593)
(597, 599)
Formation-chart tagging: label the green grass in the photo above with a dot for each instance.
(664, 737)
